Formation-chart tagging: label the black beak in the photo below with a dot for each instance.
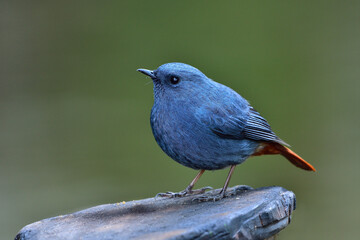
(147, 72)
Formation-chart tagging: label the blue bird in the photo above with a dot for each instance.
(205, 125)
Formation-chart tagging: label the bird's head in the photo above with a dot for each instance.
(177, 80)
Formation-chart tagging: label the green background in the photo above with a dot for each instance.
(74, 113)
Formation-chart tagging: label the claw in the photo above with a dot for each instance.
(171, 194)
(209, 198)
(200, 191)
(237, 190)
(183, 193)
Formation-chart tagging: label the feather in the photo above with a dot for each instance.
(257, 128)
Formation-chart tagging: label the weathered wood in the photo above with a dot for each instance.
(247, 214)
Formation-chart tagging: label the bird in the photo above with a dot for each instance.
(205, 125)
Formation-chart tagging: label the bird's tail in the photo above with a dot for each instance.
(293, 157)
(276, 148)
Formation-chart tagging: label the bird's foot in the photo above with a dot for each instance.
(231, 192)
(200, 190)
(209, 198)
(183, 193)
(237, 190)
(171, 194)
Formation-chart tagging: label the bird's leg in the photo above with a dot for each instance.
(223, 190)
(222, 193)
(187, 190)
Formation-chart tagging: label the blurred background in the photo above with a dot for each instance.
(74, 113)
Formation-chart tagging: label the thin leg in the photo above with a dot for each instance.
(221, 195)
(223, 190)
(192, 184)
(188, 190)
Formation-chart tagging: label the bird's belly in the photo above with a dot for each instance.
(198, 148)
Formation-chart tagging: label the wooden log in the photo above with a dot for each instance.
(246, 214)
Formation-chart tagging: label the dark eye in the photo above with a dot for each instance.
(174, 80)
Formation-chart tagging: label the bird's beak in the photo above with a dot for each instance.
(147, 72)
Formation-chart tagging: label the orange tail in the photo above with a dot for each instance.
(276, 148)
(294, 158)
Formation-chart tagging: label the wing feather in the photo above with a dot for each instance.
(257, 128)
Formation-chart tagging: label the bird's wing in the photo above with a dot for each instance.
(239, 123)
(257, 128)
(226, 121)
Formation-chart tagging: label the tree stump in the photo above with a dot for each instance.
(246, 214)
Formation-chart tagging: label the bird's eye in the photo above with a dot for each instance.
(174, 80)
